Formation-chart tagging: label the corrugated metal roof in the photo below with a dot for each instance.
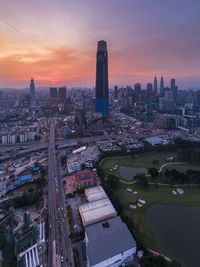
(25, 177)
(95, 193)
(17, 182)
(96, 211)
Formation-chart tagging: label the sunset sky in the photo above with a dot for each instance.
(55, 41)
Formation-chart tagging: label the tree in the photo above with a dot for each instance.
(63, 160)
(153, 172)
(112, 181)
(142, 180)
(152, 261)
(167, 173)
(43, 171)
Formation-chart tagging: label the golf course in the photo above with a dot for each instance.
(135, 199)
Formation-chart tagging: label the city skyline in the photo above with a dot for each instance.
(144, 39)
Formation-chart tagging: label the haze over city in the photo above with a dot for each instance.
(55, 41)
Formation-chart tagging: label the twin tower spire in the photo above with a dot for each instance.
(155, 87)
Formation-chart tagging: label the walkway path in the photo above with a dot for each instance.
(158, 254)
(172, 163)
(162, 184)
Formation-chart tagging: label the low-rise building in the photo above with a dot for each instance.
(109, 243)
(84, 178)
(108, 240)
(95, 193)
(96, 211)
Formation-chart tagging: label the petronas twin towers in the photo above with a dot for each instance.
(162, 92)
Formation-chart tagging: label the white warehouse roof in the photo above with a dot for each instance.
(95, 193)
(96, 211)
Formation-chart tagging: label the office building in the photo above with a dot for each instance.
(80, 119)
(174, 89)
(173, 84)
(137, 88)
(155, 86)
(62, 95)
(102, 97)
(162, 87)
(115, 92)
(149, 89)
(32, 93)
(53, 92)
(53, 97)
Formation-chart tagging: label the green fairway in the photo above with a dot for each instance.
(152, 195)
(183, 167)
(145, 160)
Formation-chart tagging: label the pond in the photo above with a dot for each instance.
(129, 173)
(177, 231)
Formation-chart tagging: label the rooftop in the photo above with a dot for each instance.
(96, 211)
(84, 176)
(107, 239)
(95, 193)
(155, 140)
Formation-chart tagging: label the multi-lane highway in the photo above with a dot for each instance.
(51, 199)
(59, 249)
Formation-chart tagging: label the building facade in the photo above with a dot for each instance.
(32, 93)
(102, 97)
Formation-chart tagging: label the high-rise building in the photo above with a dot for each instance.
(53, 97)
(115, 92)
(173, 84)
(32, 93)
(53, 92)
(80, 119)
(62, 94)
(162, 87)
(174, 88)
(137, 88)
(155, 87)
(149, 88)
(102, 98)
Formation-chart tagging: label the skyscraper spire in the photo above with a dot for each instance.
(162, 90)
(155, 87)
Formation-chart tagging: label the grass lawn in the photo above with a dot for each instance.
(183, 167)
(152, 195)
(145, 160)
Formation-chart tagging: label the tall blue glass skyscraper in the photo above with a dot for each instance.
(102, 98)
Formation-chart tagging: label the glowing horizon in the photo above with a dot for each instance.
(55, 42)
